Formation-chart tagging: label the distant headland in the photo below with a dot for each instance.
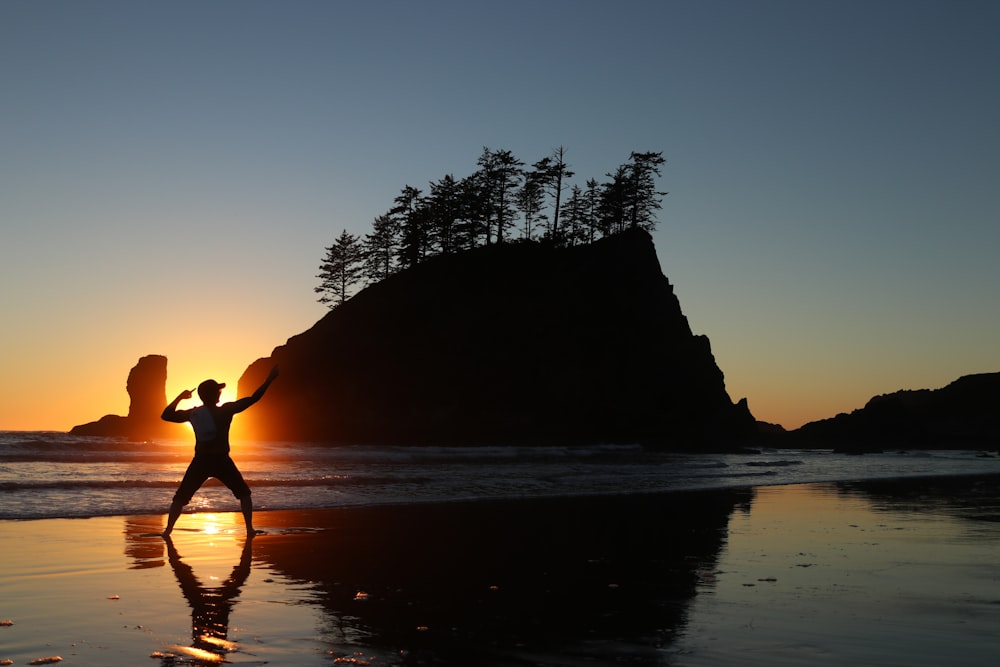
(962, 415)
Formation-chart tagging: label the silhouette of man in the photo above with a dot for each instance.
(211, 422)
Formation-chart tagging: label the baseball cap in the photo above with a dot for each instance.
(209, 387)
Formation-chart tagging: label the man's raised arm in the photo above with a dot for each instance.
(244, 403)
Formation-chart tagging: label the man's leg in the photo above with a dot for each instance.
(230, 475)
(246, 504)
(194, 477)
(172, 516)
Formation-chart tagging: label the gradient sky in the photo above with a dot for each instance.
(171, 172)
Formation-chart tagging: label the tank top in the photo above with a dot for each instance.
(211, 429)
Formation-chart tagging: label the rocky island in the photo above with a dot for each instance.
(517, 344)
(522, 343)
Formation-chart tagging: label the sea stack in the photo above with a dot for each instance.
(146, 387)
(521, 343)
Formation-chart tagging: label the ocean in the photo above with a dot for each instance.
(56, 475)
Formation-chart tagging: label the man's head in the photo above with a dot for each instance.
(209, 391)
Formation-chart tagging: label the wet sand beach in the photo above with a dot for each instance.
(879, 573)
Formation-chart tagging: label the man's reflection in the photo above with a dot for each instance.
(210, 605)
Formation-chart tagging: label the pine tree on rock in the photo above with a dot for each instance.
(341, 270)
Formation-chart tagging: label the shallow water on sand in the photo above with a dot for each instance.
(853, 574)
(105, 592)
(871, 573)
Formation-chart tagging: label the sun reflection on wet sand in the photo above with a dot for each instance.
(198, 654)
(217, 524)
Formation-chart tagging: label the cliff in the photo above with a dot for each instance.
(521, 343)
(962, 415)
(147, 390)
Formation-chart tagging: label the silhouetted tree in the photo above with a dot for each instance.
(472, 228)
(483, 183)
(574, 218)
(445, 211)
(411, 212)
(530, 199)
(380, 248)
(642, 200)
(592, 210)
(473, 221)
(557, 174)
(341, 270)
(613, 205)
(500, 175)
(508, 178)
(481, 209)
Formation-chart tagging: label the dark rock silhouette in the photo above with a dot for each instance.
(522, 343)
(146, 386)
(962, 415)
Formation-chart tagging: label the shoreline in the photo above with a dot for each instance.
(232, 505)
(687, 578)
(228, 504)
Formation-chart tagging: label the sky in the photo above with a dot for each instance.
(171, 172)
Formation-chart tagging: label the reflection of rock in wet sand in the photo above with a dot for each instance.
(559, 575)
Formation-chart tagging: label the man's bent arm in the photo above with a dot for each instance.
(170, 413)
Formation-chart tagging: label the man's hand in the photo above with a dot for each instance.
(184, 395)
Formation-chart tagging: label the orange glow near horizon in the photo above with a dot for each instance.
(49, 394)
(61, 406)
(65, 408)
(80, 383)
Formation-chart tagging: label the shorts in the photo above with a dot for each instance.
(204, 466)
